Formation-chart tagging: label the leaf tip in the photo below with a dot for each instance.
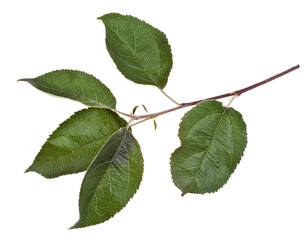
(29, 80)
(101, 18)
(28, 170)
(183, 194)
(74, 226)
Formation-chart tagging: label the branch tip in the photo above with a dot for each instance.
(230, 94)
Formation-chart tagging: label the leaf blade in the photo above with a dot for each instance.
(76, 85)
(111, 180)
(141, 52)
(213, 139)
(75, 143)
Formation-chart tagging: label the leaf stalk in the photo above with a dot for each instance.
(163, 92)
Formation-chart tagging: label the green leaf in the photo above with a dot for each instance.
(76, 85)
(75, 143)
(111, 180)
(141, 52)
(213, 140)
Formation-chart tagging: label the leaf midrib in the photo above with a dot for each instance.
(99, 104)
(109, 163)
(70, 152)
(138, 60)
(204, 153)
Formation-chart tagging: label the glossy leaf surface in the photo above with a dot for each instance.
(213, 139)
(111, 180)
(76, 85)
(74, 144)
(141, 52)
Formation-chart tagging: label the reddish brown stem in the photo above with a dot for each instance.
(237, 92)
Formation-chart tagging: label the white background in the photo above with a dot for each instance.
(218, 47)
